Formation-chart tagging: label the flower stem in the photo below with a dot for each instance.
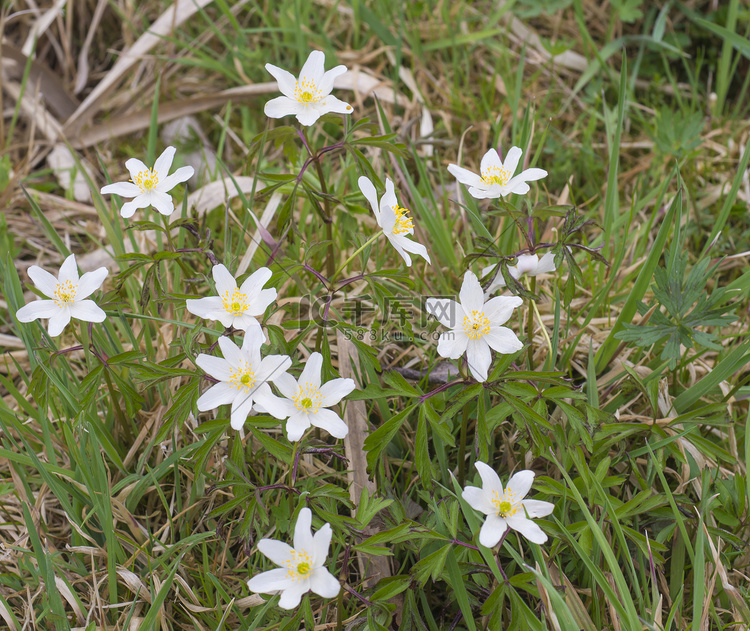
(367, 243)
(462, 446)
(530, 326)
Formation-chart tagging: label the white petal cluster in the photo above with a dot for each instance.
(529, 264)
(67, 295)
(301, 568)
(236, 307)
(476, 326)
(307, 401)
(505, 507)
(393, 219)
(309, 96)
(243, 376)
(496, 177)
(150, 187)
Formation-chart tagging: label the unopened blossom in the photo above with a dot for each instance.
(309, 96)
(302, 568)
(394, 220)
(150, 187)
(505, 507)
(476, 326)
(529, 264)
(496, 177)
(238, 307)
(67, 293)
(242, 374)
(307, 401)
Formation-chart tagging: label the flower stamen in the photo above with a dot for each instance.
(495, 175)
(146, 180)
(65, 293)
(505, 504)
(242, 377)
(307, 93)
(476, 325)
(308, 399)
(235, 303)
(299, 565)
(403, 221)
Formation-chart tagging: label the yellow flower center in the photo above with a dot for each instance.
(495, 175)
(403, 221)
(234, 302)
(308, 399)
(242, 377)
(146, 180)
(307, 93)
(505, 504)
(65, 294)
(476, 325)
(299, 565)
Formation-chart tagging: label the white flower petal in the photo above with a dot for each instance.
(324, 584)
(285, 79)
(217, 367)
(452, 344)
(164, 162)
(232, 353)
(489, 160)
(478, 358)
(296, 425)
(44, 281)
(527, 264)
(281, 106)
(223, 280)
(58, 322)
(270, 582)
(520, 483)
(271, 404)
(272, 367)
(546, 264)
(331, 104)
(530, 175)
(263, 299)
(243, 322)
(515, 186)
(464, 175)
(490, 480)
(218, 394)
(87, 310)
(311, 371)
(287, 385)
(389, 197)
(538, 508)
(308, 115)
(333, 391)
(314, 68)
(253, 340)
(503, 340)
(492, 531)
(278, 551)
(414, 247)
(128, 209)
(326, 83)
(124, 189)
(241, 408)
(478, 499)
(448, 312)
(134, 167)
(486, 192)
(499, 309)
(471, 295)
(210, 308)
(303, 538)
(162, 202)
(68, 270)
(387, 218)
(90, 282)
(253, 285)
(292, 595)
(371, 195)
(37, 309)
(527, 528)
(320, 543)
(330, 421)
(511, 159)
(183, 174)
(402, 253)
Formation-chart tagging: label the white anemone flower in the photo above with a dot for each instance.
(243, 376)
(307, 401)
(150, 187)
(506, 508)
(529, 264)
(496, 177)
(68, 295)
(308, 97)
(393, 219)
(476, 326)
(235, 307)
(302, 568)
